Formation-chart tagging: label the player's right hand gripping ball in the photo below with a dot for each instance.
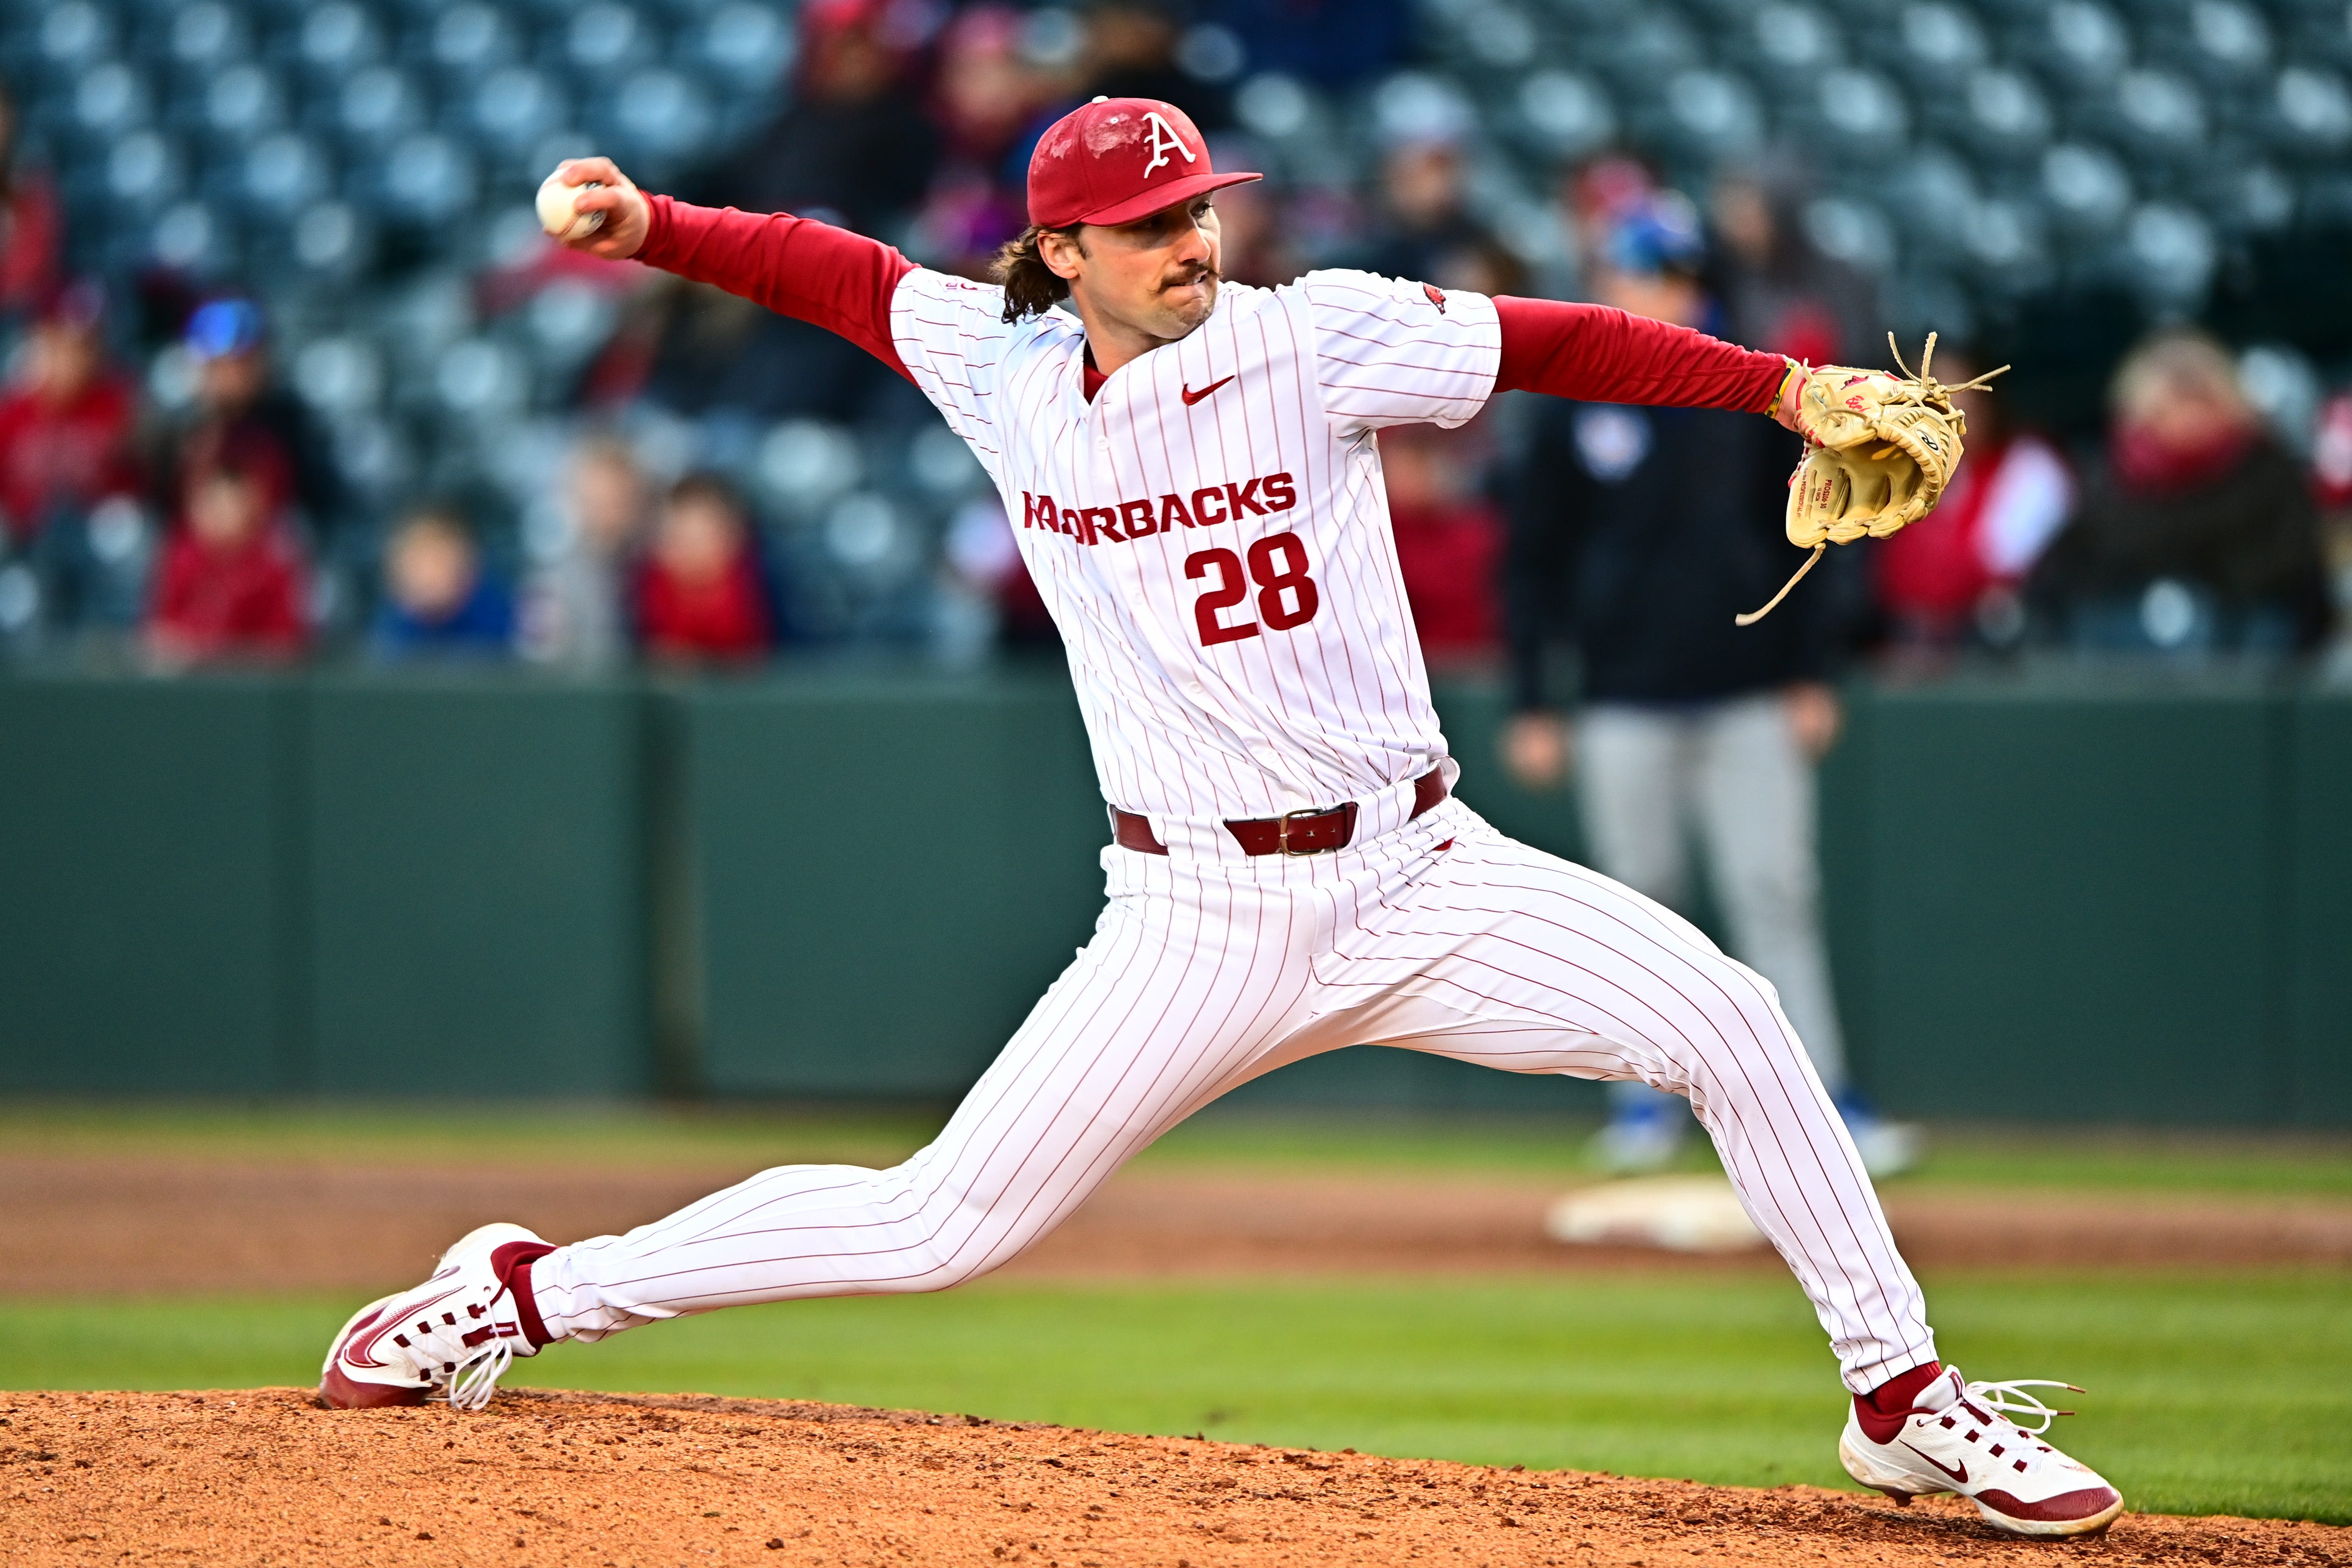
(1879, 450)
(558, 214)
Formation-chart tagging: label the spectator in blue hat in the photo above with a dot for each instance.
(1636, 535)
(243, 418)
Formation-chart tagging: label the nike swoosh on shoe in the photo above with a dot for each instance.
(362, 1350)
(1960, 1475)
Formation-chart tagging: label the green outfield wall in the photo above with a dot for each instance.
(2070, 900)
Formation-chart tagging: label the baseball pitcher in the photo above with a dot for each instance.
(1194, 470)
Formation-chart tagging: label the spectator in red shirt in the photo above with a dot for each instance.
(1449, 542)
(1954, 576)
(231, 581)
(69, 512)
(702, 595)
(66, 424)
(32, 231)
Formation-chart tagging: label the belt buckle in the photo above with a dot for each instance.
(1282, 832)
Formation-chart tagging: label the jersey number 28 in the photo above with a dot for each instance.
(1286, 595)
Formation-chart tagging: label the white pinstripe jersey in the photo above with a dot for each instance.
(1211, 531)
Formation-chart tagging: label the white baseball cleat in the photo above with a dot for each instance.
(450, 1338)
(1959, 1437)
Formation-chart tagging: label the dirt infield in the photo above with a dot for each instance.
(87, 1226)
(588, 1480)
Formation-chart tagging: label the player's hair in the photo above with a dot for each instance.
(1031, 288)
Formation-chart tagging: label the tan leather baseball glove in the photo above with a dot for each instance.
(1879, 450)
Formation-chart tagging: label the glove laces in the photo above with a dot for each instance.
(2009, 1401)
(1930, 390)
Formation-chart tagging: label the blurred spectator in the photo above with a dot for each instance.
(231, 580)
(1953, 576)
(850, 148)
(243, 416)
(66, 424)
(988, 95)
(439, 603)
(1636, 535)
(2331, 484)
(67, 480)
(1425, 232)
(573, 609)
(1778, 292)
(2201, 534)
(1258, 243)
(1449, 541)
(853, 147)
(703, 593)
(986, 560)
(32, 230)
(715, 351)
(1131, 53)
(1593, 198)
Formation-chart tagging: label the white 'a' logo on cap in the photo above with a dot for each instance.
(1163, 139)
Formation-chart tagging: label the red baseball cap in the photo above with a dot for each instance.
(1116, 160)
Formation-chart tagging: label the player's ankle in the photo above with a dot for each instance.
(513, 1264)
(1880, 1412)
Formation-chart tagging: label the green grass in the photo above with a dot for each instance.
(2209, 1393)
(2072, 1158)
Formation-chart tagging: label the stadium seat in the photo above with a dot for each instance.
(423, 177)
(744, 46)
(241, 103)
(604, 41)
(204, 37)
(515, 107)
(284, 173)
(2086, 190)
(337, 38)
(468, 39)
(72, 37)
(1564, 115)
(377, 103)
(2005, 118)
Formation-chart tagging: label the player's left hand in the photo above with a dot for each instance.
(1815, 716)
(1538, 750)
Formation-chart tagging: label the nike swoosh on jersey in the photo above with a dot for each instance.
(1960, 1475)
(1191, 396)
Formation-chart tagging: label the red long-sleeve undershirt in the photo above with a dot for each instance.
(843, 282)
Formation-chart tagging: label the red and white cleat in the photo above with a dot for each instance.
(450, 1338)
(1959, 1437)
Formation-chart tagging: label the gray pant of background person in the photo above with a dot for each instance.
(1731, 775)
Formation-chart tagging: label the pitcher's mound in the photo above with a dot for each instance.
(602, 1479)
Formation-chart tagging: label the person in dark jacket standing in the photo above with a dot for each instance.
(1636, 535)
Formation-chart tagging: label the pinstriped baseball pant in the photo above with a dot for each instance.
(1441, 936)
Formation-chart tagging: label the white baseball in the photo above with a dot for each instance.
(558, 212)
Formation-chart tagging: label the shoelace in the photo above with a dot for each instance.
(2009, 1400)
(476, 1377)
(473, 1370)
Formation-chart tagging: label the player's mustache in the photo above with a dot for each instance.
(1193, 272)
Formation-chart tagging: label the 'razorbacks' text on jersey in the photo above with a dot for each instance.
(1211, 531)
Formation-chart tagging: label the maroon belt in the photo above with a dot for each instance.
(1292, 833)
